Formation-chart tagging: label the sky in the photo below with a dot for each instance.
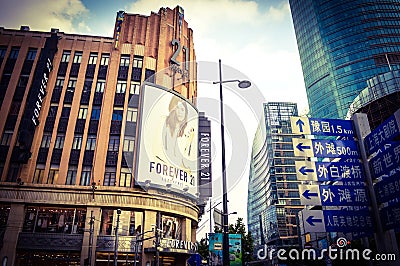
(254, 39)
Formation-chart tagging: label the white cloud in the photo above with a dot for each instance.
(42, 15)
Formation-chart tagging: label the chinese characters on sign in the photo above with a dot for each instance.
(386, 161)
(325, 127)
(325, 148)
(388, 188)
(326, 195)
(329, 171)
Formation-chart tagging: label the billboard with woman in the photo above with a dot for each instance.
(166, 155)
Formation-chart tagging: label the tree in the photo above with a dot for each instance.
(247, 240)
(203, 248)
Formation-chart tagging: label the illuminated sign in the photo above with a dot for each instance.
(120, 19)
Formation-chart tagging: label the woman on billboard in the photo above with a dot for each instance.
(177, 139)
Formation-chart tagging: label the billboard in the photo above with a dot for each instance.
(235, 249)
(215, 249)
(166, 153)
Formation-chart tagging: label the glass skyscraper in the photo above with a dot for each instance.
(273, 196)
(343, 44)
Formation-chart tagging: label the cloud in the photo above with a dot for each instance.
(42, 15)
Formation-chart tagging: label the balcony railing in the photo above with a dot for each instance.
(49, 241)
(125, 243)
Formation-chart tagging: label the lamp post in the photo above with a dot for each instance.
(241, 84)
(116, 239)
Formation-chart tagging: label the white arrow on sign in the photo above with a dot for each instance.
(306, 171)
(313, 221)
(303, 147)
(309, 195)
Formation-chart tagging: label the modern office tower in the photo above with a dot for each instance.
(69, 106)
(343, 44)
(273, 195)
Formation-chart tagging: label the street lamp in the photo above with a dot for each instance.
(241, 84)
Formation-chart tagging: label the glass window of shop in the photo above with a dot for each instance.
(130, 222)
(4, 212)
(171, 227)
(54, 220)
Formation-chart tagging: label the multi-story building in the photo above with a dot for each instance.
(69, 107)
(273, 195)
(343, 44)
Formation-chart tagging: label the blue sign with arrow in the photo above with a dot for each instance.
(329, 171)
(325, 148)
(322, 127)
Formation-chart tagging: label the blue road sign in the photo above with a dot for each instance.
(390, 217)
(329, 171)
(347, 221)
(388, 188)
(386, 131)
(325, 195)
(387, 161)
(325, 148)
(336, 221)
(322, 127)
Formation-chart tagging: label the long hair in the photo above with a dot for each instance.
(172, 120)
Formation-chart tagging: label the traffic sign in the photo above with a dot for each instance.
(385, 132)
(386, 161)
(329, 171)
(390, 217)
(326, 195)
(324, 127)
(336, 221)
(388, 188)
(325, 148)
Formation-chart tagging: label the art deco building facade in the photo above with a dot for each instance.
(343, 44)
(69, 106)
(273, 195)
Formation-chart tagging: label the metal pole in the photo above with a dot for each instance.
(90, 238)
(225, 239)
(116, 239)
(158, 221)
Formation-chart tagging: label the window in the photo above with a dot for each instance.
(23, 81)
(6, 138)
(95, 113)
(14, 108)
(46, 140)
(77, 57)
(39, 173)
(85, 177)
(138, 62)
(71, 85)
(31, 54)
(13, 172)
(53, 111)
(59, 142)
(135, 86)
(2, 52)
(92, 59)
(59, 83)
(125, 178)
(117, 115)
(100, 85)
(121, 87)
(53, 176)
(109, 176)
(104, 59)
(71, 176)
(129, 144)
(65, 57)
(77, 143)
(131, 115)
(14, 53)
(82, 113)
(124, 60)
(91, 143)
(65, 111)
(113, 143)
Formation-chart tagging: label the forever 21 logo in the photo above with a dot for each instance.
(176, 43)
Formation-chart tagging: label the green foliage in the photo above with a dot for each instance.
(203, 248)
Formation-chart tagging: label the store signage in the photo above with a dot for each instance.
(178, 244)
(120, 19)
(41, 92)
(324, 127)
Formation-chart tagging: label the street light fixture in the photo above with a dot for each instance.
(241, 84)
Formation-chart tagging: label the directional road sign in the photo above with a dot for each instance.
(386, 161)
(326, 195)
(387, 131)
(325, 148)
(336, 221)
(390, 217)
(329, 171)
(324, 127)
(388, 188)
